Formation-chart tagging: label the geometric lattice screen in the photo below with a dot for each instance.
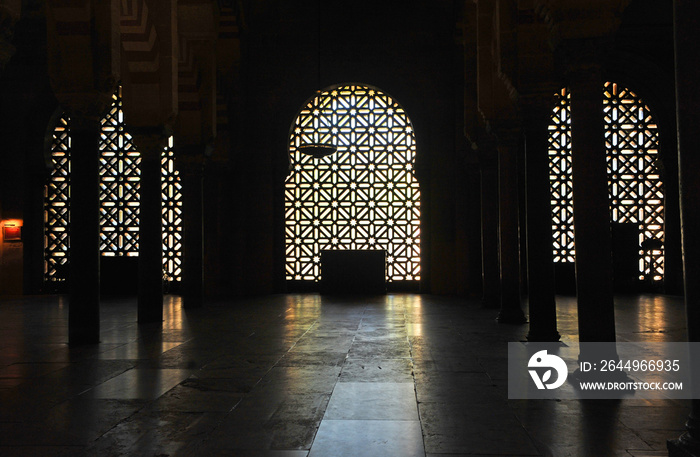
(57, 206)
(119, 198)
(634, 181)
(362, 197)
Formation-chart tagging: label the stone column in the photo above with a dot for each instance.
(509, 252)
(686, 36)
(490, 274)
(594, 286)
(83, 87)
(540, 261)
(150, 142)
(84, 304)
(10, 12)
(190, 162)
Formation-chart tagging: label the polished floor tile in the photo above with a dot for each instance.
(298, 375)
(377, 370)
(373, 401)
(258, 453)
(136, 351)
(139, 383)
(368, 438)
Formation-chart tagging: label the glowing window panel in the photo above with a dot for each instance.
(119, 178)
(362, 197)
(119, 186)
(57, 206)
(634, 181)
(171, 189)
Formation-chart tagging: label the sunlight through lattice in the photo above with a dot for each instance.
(119, 198)
(56, 206)
(364, 196)
(634, 180)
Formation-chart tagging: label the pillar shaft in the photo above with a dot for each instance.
(540, 261)
(509, 252)
(150, 290)
(490, 273)
(191, 171)
(686, 36)
(84, 309)
(591, 208)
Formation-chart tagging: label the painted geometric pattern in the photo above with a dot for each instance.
(362, 197)
(119, 198)
(634, 183)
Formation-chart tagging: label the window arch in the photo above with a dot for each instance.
(119, 198)
(635, 187)
(365, 195)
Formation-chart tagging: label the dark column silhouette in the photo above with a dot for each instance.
(511, 311)
(490, 275)
(191, 167)
(594, 286)
(686, 36)
(150, 143)
(84, 309)
(540, 261)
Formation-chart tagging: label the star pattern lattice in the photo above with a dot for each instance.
(634, 180)
(364, 196)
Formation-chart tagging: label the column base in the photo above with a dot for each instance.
(150, 319)
(490, 302)
(543, 336)
(684, 446)
(511, 316)
(150, 311)
(191, 302)
(687, 445)
(78, 336)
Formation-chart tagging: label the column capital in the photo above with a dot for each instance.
(9, 15)
(83, 56)
(151, 140)
(487, 152)
(81, 121)
(536, 108)
(193, 158)
(508, 133)
(576, 19)
(580, 31)
(582, 60)
(86, 109)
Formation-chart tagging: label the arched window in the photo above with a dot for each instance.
(119, 198)
(362, 197)
(634, 181)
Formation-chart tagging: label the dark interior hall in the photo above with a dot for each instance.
(306, 228)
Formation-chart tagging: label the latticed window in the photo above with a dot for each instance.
(171, 189)
(56, 206)
(634, 182)
(119, 198)
(362, 197)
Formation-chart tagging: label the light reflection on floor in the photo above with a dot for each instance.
(401, 374)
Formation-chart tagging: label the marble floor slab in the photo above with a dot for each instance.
(302, 375)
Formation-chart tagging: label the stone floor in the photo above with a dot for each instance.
(308, 375)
